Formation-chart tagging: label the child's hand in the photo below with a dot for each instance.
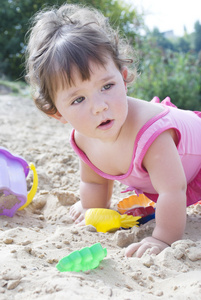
(77, 213)
(155, 246)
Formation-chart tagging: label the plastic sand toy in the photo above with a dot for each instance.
(133, 202)
(146, 213)
(82, 260)
(13, 188)
(199, 202)
(138, 206)
(107, 219)
(141, 211)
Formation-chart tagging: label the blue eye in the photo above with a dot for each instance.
(107, 86)
(78, 100)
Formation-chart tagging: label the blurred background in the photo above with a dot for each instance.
(166, 36)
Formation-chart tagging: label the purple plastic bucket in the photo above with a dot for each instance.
(13, 189)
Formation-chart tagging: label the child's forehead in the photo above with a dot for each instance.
(97, 71)
(94, 68)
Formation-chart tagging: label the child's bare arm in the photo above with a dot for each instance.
(95, 192)
(163, 163)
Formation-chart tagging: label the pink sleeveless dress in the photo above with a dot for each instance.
(187, 125)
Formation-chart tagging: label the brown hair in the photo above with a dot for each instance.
(70, 36)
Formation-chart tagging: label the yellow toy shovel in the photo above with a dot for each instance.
(108, 220)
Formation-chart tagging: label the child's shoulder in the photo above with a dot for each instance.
(147, 107)
(141, 111)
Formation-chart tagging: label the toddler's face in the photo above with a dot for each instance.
(97, 107)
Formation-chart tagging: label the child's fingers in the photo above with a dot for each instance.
(155, 250)
(81, 223)
(155, 247)
(141, 250)
(75, 211)
(131, 249)
(152, 249)
(80, 219)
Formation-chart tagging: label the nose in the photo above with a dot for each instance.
(99, 105)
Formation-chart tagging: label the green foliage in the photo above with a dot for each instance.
(197, 36)
(159, 39)
(183, 44)
(19, 88)
(14, 23)
(119, 13)
(167, 73)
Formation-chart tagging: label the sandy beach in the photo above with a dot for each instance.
(36, 238)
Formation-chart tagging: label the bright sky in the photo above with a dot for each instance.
(170, 14)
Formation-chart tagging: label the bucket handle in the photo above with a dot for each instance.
(33, 190)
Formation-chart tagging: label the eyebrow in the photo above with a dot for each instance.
(73, 94)
(106, 78)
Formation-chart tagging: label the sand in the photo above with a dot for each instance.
(36, 238)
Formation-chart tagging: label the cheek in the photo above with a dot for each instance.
(122, 103)
(77, 117)
(123, 108)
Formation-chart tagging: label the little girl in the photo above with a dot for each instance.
(79, 70)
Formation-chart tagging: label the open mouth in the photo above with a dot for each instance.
(105, 123)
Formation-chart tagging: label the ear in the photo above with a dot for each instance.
(124, 73)
(58, 117)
